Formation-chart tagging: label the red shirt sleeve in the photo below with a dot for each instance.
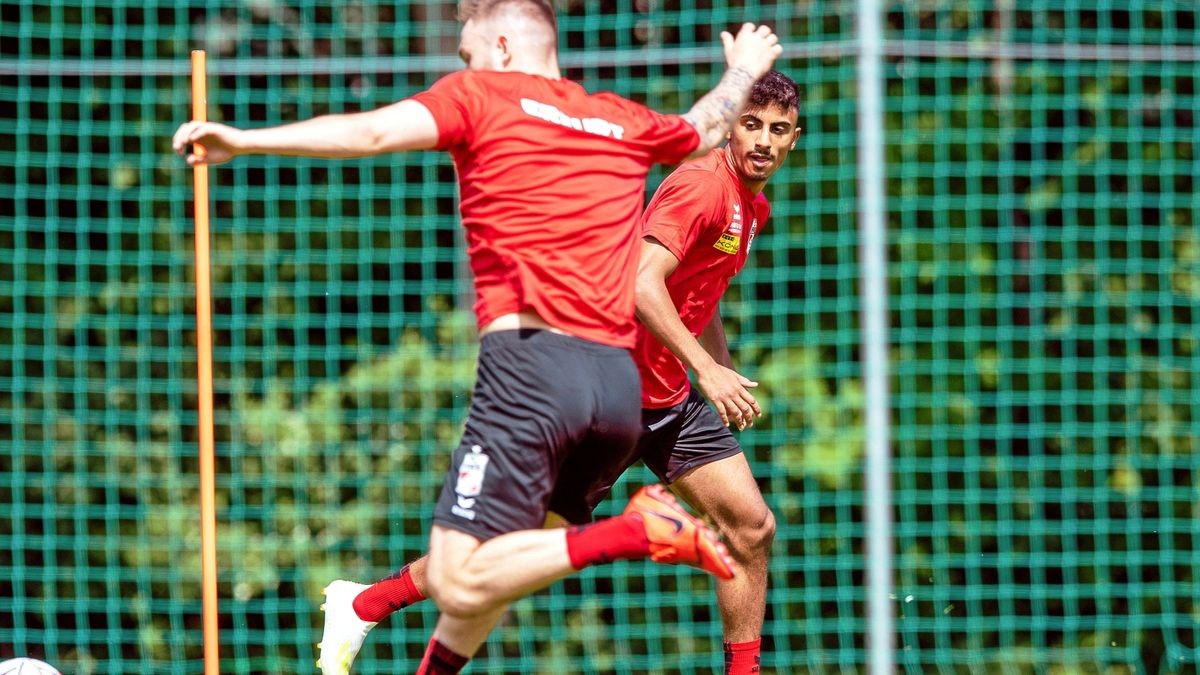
(451, 101)
(688, 205)
(672, 137)
(667, 139)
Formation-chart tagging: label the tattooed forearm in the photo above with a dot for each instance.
(714, 114)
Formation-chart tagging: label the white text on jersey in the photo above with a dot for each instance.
(592, 125)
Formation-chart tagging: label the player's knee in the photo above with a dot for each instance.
(459, 596)
(452, 585)
(752, 538)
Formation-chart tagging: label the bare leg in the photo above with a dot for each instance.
(472, 582)
(726, 492)
(351, 610)
(416, 570)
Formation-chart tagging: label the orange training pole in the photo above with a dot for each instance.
(204, 371)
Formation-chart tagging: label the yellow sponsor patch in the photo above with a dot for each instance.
(728, 243)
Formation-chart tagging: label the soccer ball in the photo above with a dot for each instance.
(27, 666)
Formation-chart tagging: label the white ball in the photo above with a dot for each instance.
(27, 666)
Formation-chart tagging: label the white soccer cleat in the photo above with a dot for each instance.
(344, 632)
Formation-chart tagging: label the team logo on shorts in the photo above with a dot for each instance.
(470, 482)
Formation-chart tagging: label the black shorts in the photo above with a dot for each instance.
(541, 400)
(678, 439)
(674, 441)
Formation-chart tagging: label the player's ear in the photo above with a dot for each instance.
(504, 51)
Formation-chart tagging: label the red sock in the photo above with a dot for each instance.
(741, 658)
(441, 660)
(619, 538)
(386, 596)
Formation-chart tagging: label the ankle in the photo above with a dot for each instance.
(387, 596)
(620, 538)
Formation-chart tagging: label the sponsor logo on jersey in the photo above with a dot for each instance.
(470, 482)
(732, 238)
(735, 227)
(728, 243)
(753, 229)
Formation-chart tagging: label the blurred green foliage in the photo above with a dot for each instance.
(1044, 287)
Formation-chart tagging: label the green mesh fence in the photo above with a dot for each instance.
(1045, 297)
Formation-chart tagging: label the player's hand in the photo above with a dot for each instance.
(729, 392)
(221, 143)
(754, 49)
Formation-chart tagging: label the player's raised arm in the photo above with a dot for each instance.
(406, 125)
(748, 57)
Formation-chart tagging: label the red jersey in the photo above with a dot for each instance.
(551, 181)
(705, 216)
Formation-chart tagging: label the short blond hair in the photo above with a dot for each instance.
(538, 10)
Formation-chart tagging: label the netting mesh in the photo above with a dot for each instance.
(1044, 288)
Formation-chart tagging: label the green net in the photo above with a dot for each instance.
(1044, 295)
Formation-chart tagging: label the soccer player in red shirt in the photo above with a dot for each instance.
(550, 182)
(697, 231)
(697, 234)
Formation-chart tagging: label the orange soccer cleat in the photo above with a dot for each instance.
(677, 536)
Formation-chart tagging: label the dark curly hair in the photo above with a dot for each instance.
(775, 89)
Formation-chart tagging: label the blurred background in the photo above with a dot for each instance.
(1044, 287)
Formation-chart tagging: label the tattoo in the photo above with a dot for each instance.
(714, 114)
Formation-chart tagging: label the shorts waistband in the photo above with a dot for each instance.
(544, 338)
